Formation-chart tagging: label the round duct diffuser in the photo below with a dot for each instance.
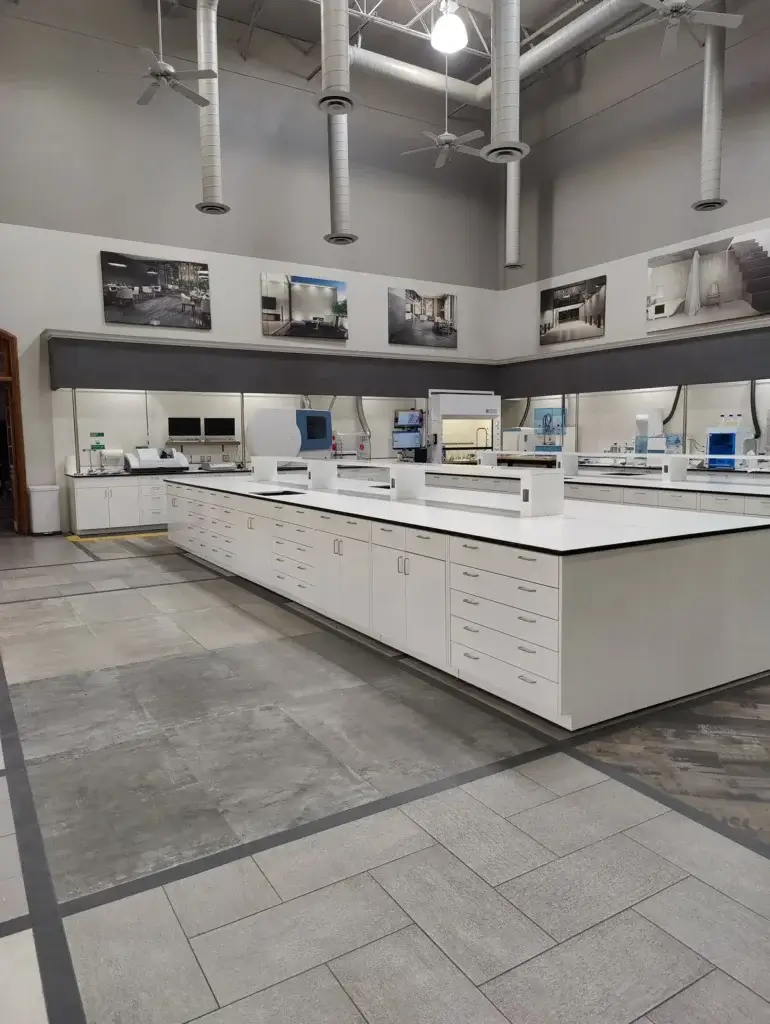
(335, 102)
(705, 205)
(505, 152)
(213, 208)
(340, 238)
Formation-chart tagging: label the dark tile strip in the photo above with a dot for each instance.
(60, 987)
(84, 549)
(233, 853)
(16, 924)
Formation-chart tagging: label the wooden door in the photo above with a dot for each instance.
(9, 376)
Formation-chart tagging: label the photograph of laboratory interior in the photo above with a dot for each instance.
(385, 642)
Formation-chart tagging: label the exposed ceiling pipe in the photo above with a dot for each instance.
(389, 67)
(512, 214)
(339, 182)
(505, 144)
(336, 101)
(364, 422)
(713, 99)
(211, 143)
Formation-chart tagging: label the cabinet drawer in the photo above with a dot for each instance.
(299, 590)
(149, 503)
(389, 536)
(522, 594)
(224, 515)
(224, 529)
(421, 542)
(297, 570)
(149, 516)
(574, 491)
(277, 511)
(593, 492)
(722, 503)
(678, 499)
(148, 487)
(344, 526)
(290, 549)
(526, 625)
(292, 514)
(507, 561)
(758, 506)
(519, 687)
(510, 649)
(640, 496)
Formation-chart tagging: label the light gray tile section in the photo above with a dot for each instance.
(30, 616)
(720, 862)
(23, 597)
(224, 627)
(340, 852)
(71, 589)
(133, 640)
(72, 649)
(406, 978)
(6, 817)
(562, 774)
(569, 895)
(112, 583)
(312, 998)
(21, 993)
(134, 964)
(28, 582)
(465, 917)
(10, 865)
(220, 896)
(275, 945)
(585, 817)
(13, 900)
(611, 974)
(112, 607)
(279, 618)
(183, 597)
(715, 999)
(489, 844)
(508, 792)
(728, 934)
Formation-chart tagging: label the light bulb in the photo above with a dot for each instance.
(449, 33)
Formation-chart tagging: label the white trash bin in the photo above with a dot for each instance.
(44, 509)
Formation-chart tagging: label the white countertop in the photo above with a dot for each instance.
(743, 484)
(583, 526)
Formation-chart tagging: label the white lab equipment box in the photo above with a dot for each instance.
(44, 508)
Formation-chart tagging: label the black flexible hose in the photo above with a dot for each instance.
(672, 413)
(526, 413)
(753, 406)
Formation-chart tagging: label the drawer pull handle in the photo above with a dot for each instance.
(467, 600)
(280, 525)
(279, 543)
(400, 564)
(279, 559)
(300, 530)
(278, 576)
(529, 590)
(423, 536)
(473, 657)
(470, 629)
(385, 529)
(527, 650)
(471, 547)
(473, 575)
(300, 512)
(523, 558)
(325, 517)
(302, 586)
(352, 522)
(532, 682)
(523, 618)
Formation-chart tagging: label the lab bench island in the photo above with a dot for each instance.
(578, 618)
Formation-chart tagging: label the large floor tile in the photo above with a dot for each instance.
(487, 843)
(182, 597)
(112, 607)
(220, 896)
(127, 810)
(713, 858)
(135, 640)
(340, 852)
(6, 816)
(585, 817)
(265, 773)
(18, 552)
(10, 865)
(405, 977)
(508, 792)
(23, 583)
(569, 895)
(315, 997)
(562, 774)
(21, 993)
(134, 965)
(470, 921)
(280, 619)
(68, 650)
(13, 901)
(611, 974)
(224, 627)
(715, 999)
(725, 932)
(362, 661)
(272, 946)
(31, 616)
(230, 592)
(22, 597)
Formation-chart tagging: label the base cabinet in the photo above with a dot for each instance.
(344, 576)
(409, 601)
(104, 504)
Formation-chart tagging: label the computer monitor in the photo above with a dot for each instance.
(184, 426)
(409, 418)
(219, 426)
(406, 439)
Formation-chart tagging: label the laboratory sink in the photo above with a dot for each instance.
(273, 494)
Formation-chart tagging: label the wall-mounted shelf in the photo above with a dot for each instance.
(201, 440)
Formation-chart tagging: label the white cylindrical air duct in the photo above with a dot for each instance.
(211, 145)
(335, 68)
(339, 182)
(505, 144)
(512, 214)
(389, 67)
(713, 99)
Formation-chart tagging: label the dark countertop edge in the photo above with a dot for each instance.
(157, 472)
(280, 499)
(692, 488)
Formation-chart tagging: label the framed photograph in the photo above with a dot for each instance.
(304, 307)
(429, 321)
(724, 280)
(155, 293)
(573, 312)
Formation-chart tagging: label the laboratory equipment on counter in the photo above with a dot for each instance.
(154, 460)
(518, 439)
(403, 440)
(288, 432)
(548, 424)
(408, 418)
(723, 445)
(462, 422)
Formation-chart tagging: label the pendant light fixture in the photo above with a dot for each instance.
(449, 34)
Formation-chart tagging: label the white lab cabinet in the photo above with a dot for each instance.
(103, 503)
(409, 601)
(123, 503)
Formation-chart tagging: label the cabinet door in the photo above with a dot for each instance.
(253, 550)
(355, 581)
(328, 565)
(426, 616)
(124, 506)
(92, 508)
(388, 594)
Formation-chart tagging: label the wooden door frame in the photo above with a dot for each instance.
(9, 345)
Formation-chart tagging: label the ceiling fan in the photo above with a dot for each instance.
(675, 13)
(447, 142)
(160, 71)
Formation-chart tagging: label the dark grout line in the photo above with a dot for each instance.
(192, 950)
(57, 973)
(84, 549)
(14, 925)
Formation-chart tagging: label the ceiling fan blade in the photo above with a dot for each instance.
(470, 136)
(188, 93)
(715, 18)
(648, 23)
(422, 149)
(152, 60)
(468, 149)
(429, 135)
(148, 94)
(670, 40)
(443, 156)
(193, 76)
